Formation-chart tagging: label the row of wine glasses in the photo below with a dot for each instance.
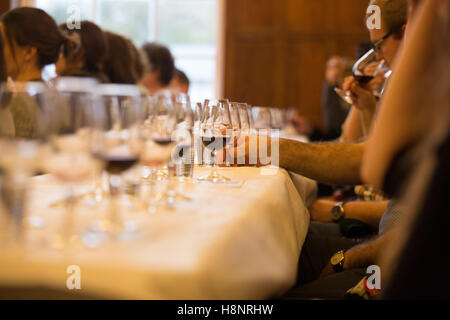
(84, 129)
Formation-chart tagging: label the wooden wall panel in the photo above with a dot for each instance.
(4, 6)
(276, 50)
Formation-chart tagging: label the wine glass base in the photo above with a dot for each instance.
(171, 197)
(60, 242)
(344, 95)
(92, 199)
(214, 178)
(107, 227)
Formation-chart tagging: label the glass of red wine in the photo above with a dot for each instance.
(158, 129)
(116, 140)
(364, 71)
(160, 142)
(216, 134)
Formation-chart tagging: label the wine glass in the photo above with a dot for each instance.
(236, 126)
(216, 134)
(365, 70)
(22, 157)
(117, 142)
(196, 131)
(244, 118)
(17, 165)
(159, 138)
(183, 157)
(277, 118)
(68, 156)
(262, 118)
(163, 109)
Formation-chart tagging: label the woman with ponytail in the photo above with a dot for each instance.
(31, 40)
(83, 52)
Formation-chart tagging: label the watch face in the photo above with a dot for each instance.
(337, 258)
(336, 212)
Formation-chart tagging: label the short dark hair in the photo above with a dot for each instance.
(182, 77)
(161, 60)
(34, 27)
(119, 63)
(394, 15)
(93, 44)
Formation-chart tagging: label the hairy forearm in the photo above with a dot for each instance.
(367, 253)
(369, 212)
(333, 163)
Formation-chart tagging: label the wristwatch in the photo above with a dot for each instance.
(337, 212)
(337, 261)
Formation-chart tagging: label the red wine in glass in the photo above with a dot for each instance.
(362, 78)
(118, 164)
(163, 141)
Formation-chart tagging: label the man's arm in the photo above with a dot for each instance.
(369, 212)
(367, 253)
(333, 163)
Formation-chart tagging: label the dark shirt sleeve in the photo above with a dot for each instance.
(334, 114)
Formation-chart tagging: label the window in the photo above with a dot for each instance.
(187, 27)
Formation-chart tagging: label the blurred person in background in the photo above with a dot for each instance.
(180, 82)
(84, 54)
(334, 109)
(120, 63)
(162, 67)
(6, 119)
(32, 40)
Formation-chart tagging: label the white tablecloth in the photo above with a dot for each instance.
(230, 242)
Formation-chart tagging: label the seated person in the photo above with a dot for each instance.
(180, 82)
(162, 69)
(334, 109)
(84, 53)
(417, 155)
(32, 40)
(120, 61)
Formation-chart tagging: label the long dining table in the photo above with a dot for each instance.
(239, 240)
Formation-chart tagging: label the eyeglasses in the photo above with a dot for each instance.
(377, 44)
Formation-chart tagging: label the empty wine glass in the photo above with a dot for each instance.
(68, 156)
(22, 157)
(183, 157)
(236, 126)
(17, 165)
(262, 120)
(277, 118)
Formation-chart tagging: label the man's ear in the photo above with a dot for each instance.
(30, 53)
(403, 30)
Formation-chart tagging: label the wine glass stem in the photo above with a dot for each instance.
(69, 216)
(214, 172)
(114, 187)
